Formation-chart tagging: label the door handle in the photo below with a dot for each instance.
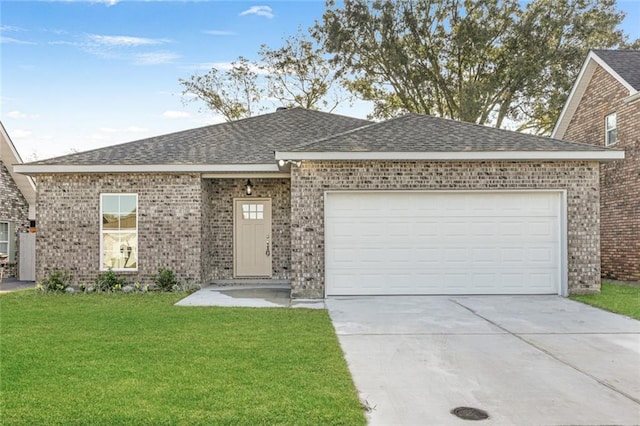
(268, 252)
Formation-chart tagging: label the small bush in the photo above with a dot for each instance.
(166, 280)
(190, 286)
(109, 281)
(56, 281)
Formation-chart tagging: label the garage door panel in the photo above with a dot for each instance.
(442, 243)
(540, 255)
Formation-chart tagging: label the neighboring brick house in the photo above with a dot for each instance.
(603, 109)
(17, 203)
(336, 205)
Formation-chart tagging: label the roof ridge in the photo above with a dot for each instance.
(345, 133)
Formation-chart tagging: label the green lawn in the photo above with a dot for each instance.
(619, 298)
(137, 359)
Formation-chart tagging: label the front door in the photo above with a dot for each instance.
(252, 237)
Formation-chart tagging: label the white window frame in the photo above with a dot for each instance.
(8, 240)
(128, 231)
(610, 130)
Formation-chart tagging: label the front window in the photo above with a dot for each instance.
(4, 238)
(611, 129)
(119, 231)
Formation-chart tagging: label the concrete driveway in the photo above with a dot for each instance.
(526, 360)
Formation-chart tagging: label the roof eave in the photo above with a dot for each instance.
(633, 98)
(603, 155)
(35, 169)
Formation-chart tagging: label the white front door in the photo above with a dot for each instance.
(443, 242)
(252, 237)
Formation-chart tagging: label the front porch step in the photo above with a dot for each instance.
(251, 282)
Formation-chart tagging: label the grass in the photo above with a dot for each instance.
(618, 298)
(137, 359)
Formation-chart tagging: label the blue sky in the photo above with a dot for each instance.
(78, 75)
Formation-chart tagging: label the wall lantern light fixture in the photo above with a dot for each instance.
(249, 187)
(283, 163)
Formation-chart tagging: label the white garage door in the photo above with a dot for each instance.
(442, 243)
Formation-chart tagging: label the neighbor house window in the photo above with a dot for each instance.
(119, 231)
(610, 129)
(4, 238)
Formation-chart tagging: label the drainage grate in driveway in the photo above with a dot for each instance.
(470, 413)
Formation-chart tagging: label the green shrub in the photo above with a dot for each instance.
(166, 280)
(109, 281)
(56, 281)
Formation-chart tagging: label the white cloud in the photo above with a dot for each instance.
(156, 58)
(175, 114)
(108, 3)
(8, 28)
(265, 11)
(122, 47)
(125, 41)
(219, 32)
(66, 43)
(129, 129)
(9, 40)
(209, 119)
(222, 66)
(20, 115)
(16, 114)
(19, 134)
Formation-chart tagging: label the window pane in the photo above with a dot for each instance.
(129, 250)
(110, 203)
(4, 248)
(119, 250)
(4, 232)
(110, 250)
(611, 121)
(127, 204)
(110, 221)
(128, 221)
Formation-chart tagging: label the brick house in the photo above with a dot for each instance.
(333, 204)
(603, 109)
(17, 206)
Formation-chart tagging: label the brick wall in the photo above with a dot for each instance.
(218, 195)
(13, 208)
(313, 178)
(169, 224)
(619, 180)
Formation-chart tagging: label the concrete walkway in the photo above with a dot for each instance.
(11, 284)
(249, 296)
(525, 360)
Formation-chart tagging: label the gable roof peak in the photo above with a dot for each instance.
(622, 65)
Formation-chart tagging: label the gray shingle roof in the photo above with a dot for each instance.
(254, 140)
(625, 62)
(248, 141)
(423, 133)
